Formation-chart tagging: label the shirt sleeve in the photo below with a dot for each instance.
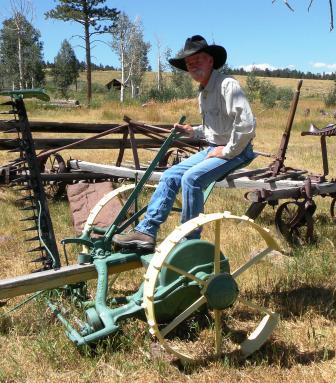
(198, 132)
(243, 125)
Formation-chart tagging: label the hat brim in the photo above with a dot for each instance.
(216, 51)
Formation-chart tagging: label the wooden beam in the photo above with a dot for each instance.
(68, 127)
(107, 143)
(242, 182)
(51, 279)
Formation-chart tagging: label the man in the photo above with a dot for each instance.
(228, 126)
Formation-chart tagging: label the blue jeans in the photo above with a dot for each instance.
(194, 175)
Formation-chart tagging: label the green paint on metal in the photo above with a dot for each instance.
(187, 254)
(26, 93)
(222, 291)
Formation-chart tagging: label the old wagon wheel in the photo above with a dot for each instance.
(332, 209)
(54, 164)
(294, 221)
(217, 291)
(173, 157)
(120, 194)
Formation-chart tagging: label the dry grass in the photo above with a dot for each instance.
(302, 348)
(310, 88)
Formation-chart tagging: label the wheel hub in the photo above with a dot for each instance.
(221, 291)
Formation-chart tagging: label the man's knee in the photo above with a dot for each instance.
(171, 179)
(190, 179)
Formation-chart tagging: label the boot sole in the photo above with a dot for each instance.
(135, 245)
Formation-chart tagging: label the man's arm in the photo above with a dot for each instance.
(243, 126)
(186, 129)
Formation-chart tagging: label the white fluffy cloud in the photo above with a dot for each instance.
(250, 67)
(324, 65)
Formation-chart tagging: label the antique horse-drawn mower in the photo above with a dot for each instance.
(182, 278)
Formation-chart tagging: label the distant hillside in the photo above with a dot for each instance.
(310, 87)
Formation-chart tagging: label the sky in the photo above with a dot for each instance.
(258, 33)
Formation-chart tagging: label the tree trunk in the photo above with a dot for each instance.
(122, 75)
(133, 89)
(88, 63)
(20, 59)
(159, 74)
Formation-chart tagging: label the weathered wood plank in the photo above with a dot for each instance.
(108, 143)
(46, 280)
(69, 127)
(242, 182)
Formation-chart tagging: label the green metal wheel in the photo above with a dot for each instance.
(219, 290)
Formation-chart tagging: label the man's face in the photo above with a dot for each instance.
(200, 67)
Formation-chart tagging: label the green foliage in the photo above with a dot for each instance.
(180, 87)
(85, 12)
(128, 43)
(285, 96)
(92, 15)
(182, 84)
(268, 94)
(165, 94)
(66, 68)
(14, 30)
(330, 98)
(253, 86)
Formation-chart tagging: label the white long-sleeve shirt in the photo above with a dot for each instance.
(227, 118)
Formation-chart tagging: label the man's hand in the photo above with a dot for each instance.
(186, 129)
(217, 152)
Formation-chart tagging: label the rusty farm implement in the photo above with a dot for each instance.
(56, 173)
(268, 185)
(182, 277)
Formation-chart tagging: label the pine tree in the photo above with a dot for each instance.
(91, 14)
(27, 72)
(66, 68)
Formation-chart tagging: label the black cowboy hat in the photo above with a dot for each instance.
(197, 44)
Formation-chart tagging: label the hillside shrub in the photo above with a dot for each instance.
(330, 98)
(268, 94)
(285, 96)
(169, 92)
(252, 87)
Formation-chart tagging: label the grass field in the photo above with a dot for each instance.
(300, 286)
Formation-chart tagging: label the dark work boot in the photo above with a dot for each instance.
(134, 240)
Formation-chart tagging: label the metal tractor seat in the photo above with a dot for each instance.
(328, 131)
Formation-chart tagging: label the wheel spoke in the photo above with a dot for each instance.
(52, 162)
(255, 306)
(184, 315)
(251, 262)
(166, 258)
(184, 273)
(218, 332)
(217, 247)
